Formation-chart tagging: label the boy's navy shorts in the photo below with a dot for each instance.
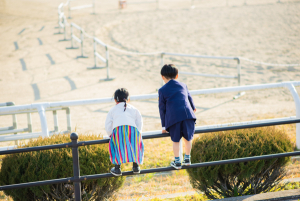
(184, 129)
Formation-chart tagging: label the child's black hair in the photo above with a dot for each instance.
(169, 71)
(121, 95)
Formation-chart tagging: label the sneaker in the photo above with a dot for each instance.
(116, 171)
(136, 169)
(186, 162)
(177, 166)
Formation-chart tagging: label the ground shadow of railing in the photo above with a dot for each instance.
(76, 179)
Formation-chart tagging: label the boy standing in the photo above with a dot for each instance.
(176, 108)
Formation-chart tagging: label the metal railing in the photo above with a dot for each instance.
(21, 136)
(104, 60)
(92, 5)
(79, 40)
(238, 76)
(76, 179)
(41, 107)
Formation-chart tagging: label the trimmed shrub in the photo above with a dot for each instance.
(241, 178)
(57, 163)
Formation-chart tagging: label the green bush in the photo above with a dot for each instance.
(242, 178)
(57, 163)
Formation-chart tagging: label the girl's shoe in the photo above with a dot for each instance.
(116, 170)
(136, 168)
(175, 165)
(186, 162)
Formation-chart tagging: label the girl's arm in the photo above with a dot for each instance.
(139, 121)
(109, 124)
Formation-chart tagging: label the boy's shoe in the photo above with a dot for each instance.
(186, 162)
(116, 171)
(175, 165)
(136, 170)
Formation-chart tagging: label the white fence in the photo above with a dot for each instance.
(63, 23)
(42, 107)
(104, 60)
(92, 5)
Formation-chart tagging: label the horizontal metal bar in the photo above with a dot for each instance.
(36, 183)
(13, 131)
(153, 170)
(200, 56)
(40, 148)
(245, 123)
(8, 148)
(158, 134)
(7, 104)
(228, 124)
(196, 165)
(6, 128)
(22, 108)
(100, 57)
(208, 75)
(99, 42)
(77, 39)
(76, 26)
(80, 7)
(33, 111)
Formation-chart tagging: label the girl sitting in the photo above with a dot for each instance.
(124, 126)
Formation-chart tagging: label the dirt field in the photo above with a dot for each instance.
(36, 67)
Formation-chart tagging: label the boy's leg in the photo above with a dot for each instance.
(188, 146)
(174, 131)
(176, 149)
(188, 130)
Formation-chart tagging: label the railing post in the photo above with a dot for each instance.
(108, 78)
(295, 95)
(65, 29)
(71, 38)
(15, 126)
(29, 122)
(82, 38)
(239, 71)
(43, 120)
(94, 8)
(76, 167)
(55, 119)
(162, 64)
(95, 57)
(239, 78)
(69, 10)
(68, 113)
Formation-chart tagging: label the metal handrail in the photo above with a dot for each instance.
(75, 144)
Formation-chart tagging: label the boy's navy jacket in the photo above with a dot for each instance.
(175, 103)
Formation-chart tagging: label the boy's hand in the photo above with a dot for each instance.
(164, 131)
(195, 110)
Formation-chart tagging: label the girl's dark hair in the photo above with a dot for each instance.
(169, 71)
(121, 95)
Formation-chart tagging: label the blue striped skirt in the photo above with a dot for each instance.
(126, 145)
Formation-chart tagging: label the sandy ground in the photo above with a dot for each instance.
(36, 67)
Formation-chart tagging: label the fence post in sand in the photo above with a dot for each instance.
(72, 43)
(81, 43)
(239, 78)
(108, 78)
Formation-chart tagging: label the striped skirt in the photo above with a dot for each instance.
(126, 145)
